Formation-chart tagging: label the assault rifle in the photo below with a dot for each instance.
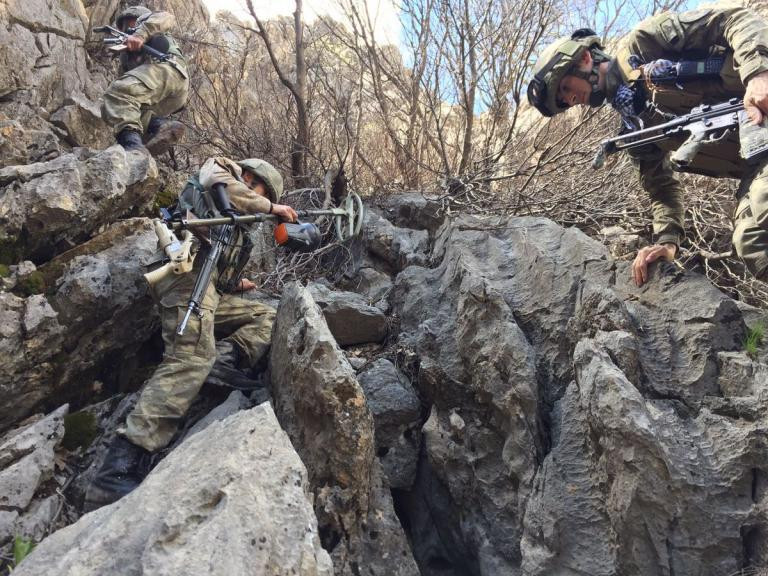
(116, 41)
(706, 124)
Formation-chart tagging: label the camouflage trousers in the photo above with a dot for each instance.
(188, 359)
(152, 89)
(750, 232)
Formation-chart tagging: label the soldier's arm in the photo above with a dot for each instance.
(154, 23)
(671, 35)
(215, 170)
(665, 192)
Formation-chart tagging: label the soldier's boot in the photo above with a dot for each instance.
(163, 133)
(130, 140)
(226, 370)
(121, 472)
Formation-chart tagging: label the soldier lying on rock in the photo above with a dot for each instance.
(253, 186)
(137, 104)
(727, 48)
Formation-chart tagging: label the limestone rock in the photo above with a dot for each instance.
(233, 499)
(80, 119)
(397, 247)
(323, 408)
(48, 207)
(414, 210)
(397, 416)
(48, 342)
(350, 318)
(26, 463)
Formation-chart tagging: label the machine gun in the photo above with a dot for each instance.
(116, 42)
(706, 124)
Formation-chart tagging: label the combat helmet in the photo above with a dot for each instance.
(560, 59)
(267, 174)
(131, 12)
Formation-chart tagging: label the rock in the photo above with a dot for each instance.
(80, 119)
(48, 207)
(397, 247)
(414, 210)
(234, 403)
(323, 409)
(233, 499)
(24, 144)
(619, 241)
(48, 343)
(577, 425)
(349, 317)
(375, 286)
(26, 463)
(397, 417)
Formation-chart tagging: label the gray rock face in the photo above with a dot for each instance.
(397, 247)
(350, 318)
(414, 210)
(80, 119)
(323, 408)
(232, 499)
(578, 423)
(47, 343)
(26, 463)
(48, 207)
(23, 144)
(397, 416)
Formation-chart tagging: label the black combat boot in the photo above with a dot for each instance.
(163, 133)
(123, 470)
(130, 140)
(227, 372)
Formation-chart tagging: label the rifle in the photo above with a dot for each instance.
(705, 124)
(116, 41)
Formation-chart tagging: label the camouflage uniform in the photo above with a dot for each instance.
(188, 359)
(147, 87)
(742, 36)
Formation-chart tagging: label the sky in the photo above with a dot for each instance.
(384, 11)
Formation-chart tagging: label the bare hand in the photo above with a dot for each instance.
(244, 285)
(647, 255)
(134, 43)
(756, 97)
(285, 212)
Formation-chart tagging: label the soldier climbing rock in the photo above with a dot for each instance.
(138, 103)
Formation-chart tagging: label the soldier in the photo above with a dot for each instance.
(138, 102)
(253, 186)
(576, 70)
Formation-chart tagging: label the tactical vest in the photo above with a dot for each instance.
(235, 256)
(716, 160)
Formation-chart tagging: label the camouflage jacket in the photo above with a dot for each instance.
(221, 170)
(735, 32)
(154, 29)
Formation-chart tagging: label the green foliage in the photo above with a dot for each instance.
(33, 283)
(80, 430)
(4, 271)
(21, 549)
(11, 251)
(164, 198)
(754, 339)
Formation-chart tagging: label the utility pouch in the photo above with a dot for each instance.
(753, 139)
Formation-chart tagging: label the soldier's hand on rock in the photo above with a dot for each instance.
(647, 255)
(134, 43)
(756, 97)
(244, 285)
(285, 212)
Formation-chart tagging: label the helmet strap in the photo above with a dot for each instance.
(593, 76)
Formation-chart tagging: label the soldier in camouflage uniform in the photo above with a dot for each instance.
(253, 186)
(137, 104)
(575, 70)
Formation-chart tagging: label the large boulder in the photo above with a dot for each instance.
(349, 316)
(232, 499)
(27, 462)
(323, 408)
(95, 305)
(565, 401)
(49, 207)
